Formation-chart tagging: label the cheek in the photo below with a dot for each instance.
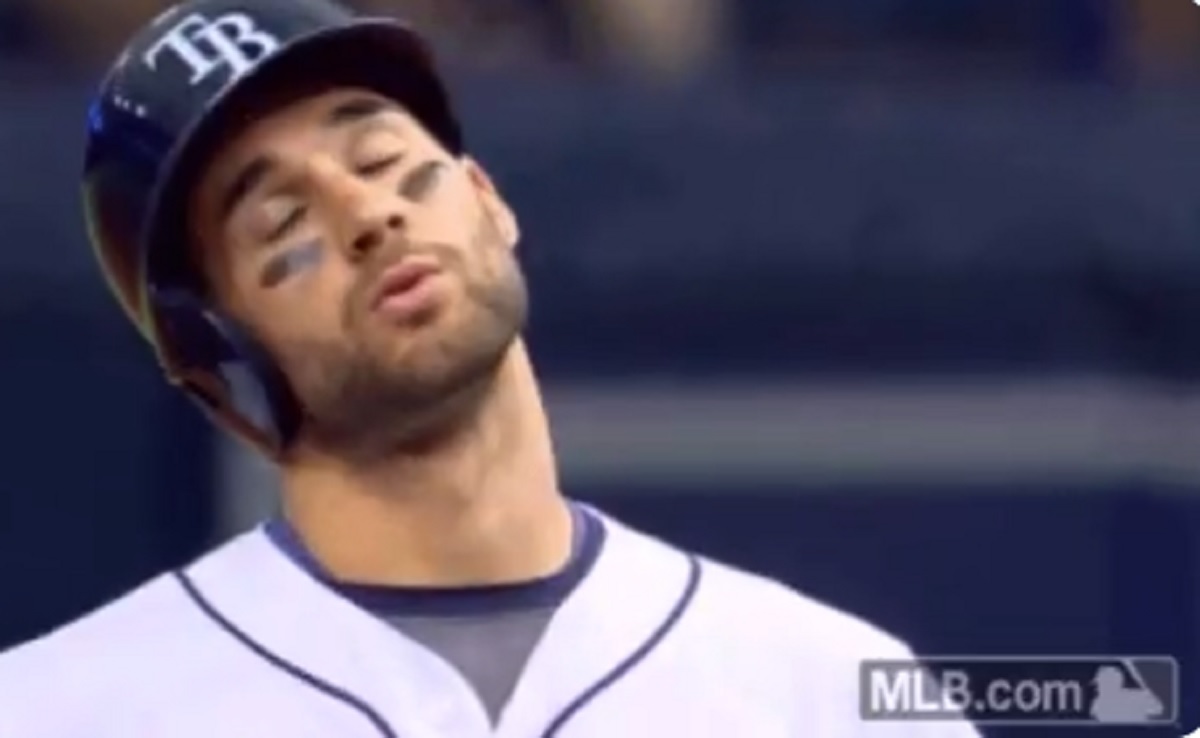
(291, 264)
(295, 300)
(450, 210)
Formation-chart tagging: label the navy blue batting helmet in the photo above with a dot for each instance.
(180, 82)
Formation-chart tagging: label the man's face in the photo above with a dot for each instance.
(376, 268)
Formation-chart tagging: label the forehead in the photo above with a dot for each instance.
(297, 123)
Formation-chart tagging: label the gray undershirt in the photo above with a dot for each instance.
(487, 638)
(489, 650)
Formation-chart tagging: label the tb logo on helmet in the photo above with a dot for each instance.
(232, 40)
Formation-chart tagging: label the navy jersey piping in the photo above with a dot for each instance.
(330, 690)
(668, 624)
(381, 726)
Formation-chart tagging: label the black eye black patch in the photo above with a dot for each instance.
(422, 181)
(291, 262)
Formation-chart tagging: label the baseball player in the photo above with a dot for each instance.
(280, 196)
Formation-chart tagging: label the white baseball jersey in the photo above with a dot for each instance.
(653, 642)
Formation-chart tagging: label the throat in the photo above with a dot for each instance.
(374, 542)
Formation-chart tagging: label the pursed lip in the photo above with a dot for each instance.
(401, 277)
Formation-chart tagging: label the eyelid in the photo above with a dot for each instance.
(261, 212)
(289, 222)
(378, 141)
(377, 165)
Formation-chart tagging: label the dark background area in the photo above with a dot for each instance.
(758, 195)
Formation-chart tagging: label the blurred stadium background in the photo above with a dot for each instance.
(893, 299)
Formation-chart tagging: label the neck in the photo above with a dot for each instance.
(480, 507)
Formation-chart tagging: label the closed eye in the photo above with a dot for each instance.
(380, 165)
(287, 224)
(422, 181)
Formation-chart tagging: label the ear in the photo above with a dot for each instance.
(493, 202)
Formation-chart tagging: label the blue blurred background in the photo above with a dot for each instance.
(895, 300)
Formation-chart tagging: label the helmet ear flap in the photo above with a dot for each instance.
(223, 368)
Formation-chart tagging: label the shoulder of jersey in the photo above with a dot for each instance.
(817, 629)
(747, 605)
(71, 680)
(768, 645)
(796, 655)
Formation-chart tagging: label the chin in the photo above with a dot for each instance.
(409, 391)
(454, 342)
(444, 353)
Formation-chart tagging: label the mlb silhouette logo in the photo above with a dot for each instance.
(1120, 702)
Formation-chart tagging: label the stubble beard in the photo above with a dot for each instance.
(362, 407)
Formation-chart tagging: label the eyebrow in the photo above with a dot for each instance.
(354, 110)
(252, 175)
(248, 178)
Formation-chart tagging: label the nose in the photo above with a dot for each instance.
(371, 228)
(368, 214)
